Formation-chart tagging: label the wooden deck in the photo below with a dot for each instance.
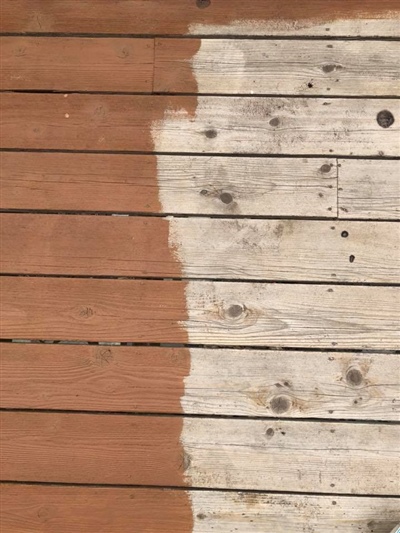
(200, 261)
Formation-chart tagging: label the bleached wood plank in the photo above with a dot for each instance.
(200, 452)
(281, 250)
(200, 312)
(85, 509)
(241, 66)
(369, 189)
(76, 64)
(183, 124)
(200, 381)
(169, 184)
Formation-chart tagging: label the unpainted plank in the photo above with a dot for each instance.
(257, 125)
(369, 189)
(200, 452)
(76, 64)
(241, 66)
(88, 509)
(168, 184)
(235, 249)
(180, 17)
(201, 312)
(200, 381)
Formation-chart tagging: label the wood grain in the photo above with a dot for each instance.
(305, 17)
(200, 381)
(168, 184)
(207, 453)
(204, 124)
(76, 64)
(235, 249)
(87, 509)
(369, 189)
(240, 66)
(217, 313)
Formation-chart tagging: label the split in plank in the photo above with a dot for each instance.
(240, 66)
(167, 511)
(200, 381)
(201, 312)
(199, 452)
(256, 125)
(76, 64)
(181, 17)
(174, 247)
(169, 184)
(369, 189)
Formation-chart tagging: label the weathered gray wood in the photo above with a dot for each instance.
(369, 189)
(240, 66)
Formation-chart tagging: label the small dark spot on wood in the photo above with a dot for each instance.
(355, 402)
(325, 169)
(226, 198)
(204, 192)
(333, 430)
(385, 118)
(320, 195)
(280, 404)
(310, 85)
(286, 383)
(329, 45)
(332, 484)
(210, 134)
(235, 310)
(345, 234)
(333, 503)
(202, 4)
(331, 358)
(201, 516)
(328, 68)
(352, 258)
(330, 290)
(283, 432)
(274, 122)
(270, 432)
(86, 312)
(354, 377)
(330, 412)
(333, 227)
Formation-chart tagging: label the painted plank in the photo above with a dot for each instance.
(181, 17)
(200, 452)
(201, 312)
(201, 124)
(173, 247)
(241, 66)
(168, 184)
(76, 64)
(369, 189)
(87, 509)
(200, 381)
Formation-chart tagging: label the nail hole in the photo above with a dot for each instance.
(204, 192)
(345, 234)
(210, 134)
(325, 168)
(385, 119)
(352, 258)
(270, 432)
(310, 85)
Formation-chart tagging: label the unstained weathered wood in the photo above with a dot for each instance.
(240, 66)
(76, 64)
(240, 249)
(200, 381)
(369, 189)
(217, 313)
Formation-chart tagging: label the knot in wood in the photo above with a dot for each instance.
(354, 377)
(235, 311)
(226, 198)
(280, 404)
(385, 119)
(202, 4)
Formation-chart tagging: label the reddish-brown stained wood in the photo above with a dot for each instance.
(175, 16)
(76, 64)
(82, 448)
(85, 122)
(173, 71)
(81, 182)
(98, 378)
(53, 509)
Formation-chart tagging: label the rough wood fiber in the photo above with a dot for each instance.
(234, 249)
(234, 454)
(200, 381)
(76, 64)
(304, 17)
(60, 510)
(240, 66)
(369, 189)
(217, 313)
(169, 184)
(204, 124)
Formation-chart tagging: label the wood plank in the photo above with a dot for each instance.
(204, 124)
(77, 64)
(304, 17)
(168, 184)
(87, 509)
(369, 189)
(236, 249)
(241, 66)
(200, 452)
(200, 381)
(216, 313)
